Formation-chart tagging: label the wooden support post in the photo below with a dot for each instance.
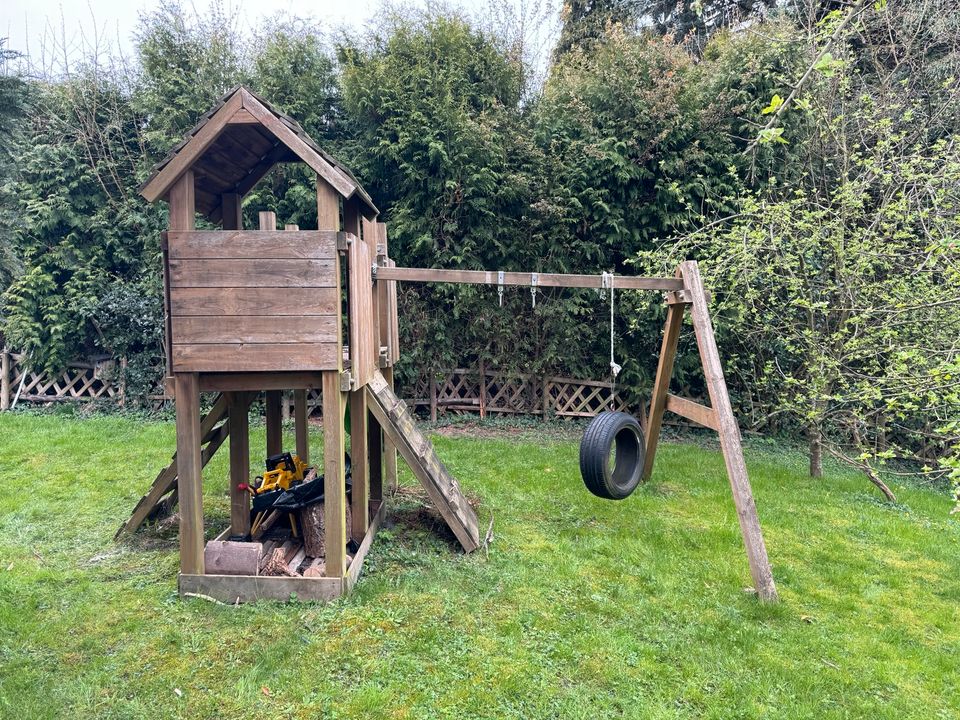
(284, 408)
(334, 482)
(268, 220)
(189, 482)
(5, 380)
(375, 451)
(238, 404)
(389, 449)
(274, 422)
(433, 396)
(661, 385)
(360, 465)
(730, 443)
(301, 428)
(232, 211)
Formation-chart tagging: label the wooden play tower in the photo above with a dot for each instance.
(267, 311)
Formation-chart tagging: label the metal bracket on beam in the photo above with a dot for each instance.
(343, 240)
(347, 383)
(682, 297)
(534, 281)
(373, 271)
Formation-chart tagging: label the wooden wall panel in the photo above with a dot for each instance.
(253, 301)
(270, 273)
(364, 350)
(239, 357)
(253, 244)
(273, 302)
(205, 329)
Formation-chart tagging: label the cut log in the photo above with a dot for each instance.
(225, 557)
(311, 523)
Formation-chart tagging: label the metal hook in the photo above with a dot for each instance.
(534, 279)
(500, 286)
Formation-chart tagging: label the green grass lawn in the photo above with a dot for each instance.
(582, 608)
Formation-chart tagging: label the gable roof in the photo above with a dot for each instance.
(235, 144)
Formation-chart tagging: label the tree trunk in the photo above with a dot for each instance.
(816, 452)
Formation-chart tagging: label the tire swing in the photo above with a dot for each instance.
(612, 450)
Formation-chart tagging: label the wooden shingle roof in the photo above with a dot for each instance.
(235, 144)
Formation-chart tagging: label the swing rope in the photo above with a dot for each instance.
(606, 283)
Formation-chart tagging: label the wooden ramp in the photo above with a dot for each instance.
(443, 489)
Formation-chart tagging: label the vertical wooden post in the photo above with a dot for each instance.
(661, 385)
(546, 398)
(238, 404)
(285, 402)
(274, 422)
(433, 396)
(232, 211)
(268, 220)
(730, 443)
(334, 482)
(5, 379)
(181, 199)
(301, 428)
(360, 465)
(483, 390)
(189, 487)
(389, 449)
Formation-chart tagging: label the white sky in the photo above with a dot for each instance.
(29, 23)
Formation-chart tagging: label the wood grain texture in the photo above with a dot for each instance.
(188, 472)
(700, 414)
(661, 385)
(223, 557)
(203, 329)
(244, 588)
(295, 302)
(335, 497)
(252, 244)
(389, 449)
(418, 452)
(238, 404)
(236, 357)
(487, 277)
(301, 426)
(277, 273)
(364, 348)
(729, 432)
(257, 381)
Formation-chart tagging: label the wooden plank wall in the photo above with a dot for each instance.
(244, 301)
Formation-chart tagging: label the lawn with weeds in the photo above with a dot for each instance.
(580, 607)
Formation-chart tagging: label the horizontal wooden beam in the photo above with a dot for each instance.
(700, 414)
(255, 381)
(487, 277)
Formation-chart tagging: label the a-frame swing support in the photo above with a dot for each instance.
(685, 290)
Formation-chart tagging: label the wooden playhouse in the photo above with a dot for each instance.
(267, 311)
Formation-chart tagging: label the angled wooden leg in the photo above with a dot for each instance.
(238, 404)
(360, 466)
(274, 422)
(301, 426)
(188, 473)
(334, 483)
(661, 385)
(729, 432)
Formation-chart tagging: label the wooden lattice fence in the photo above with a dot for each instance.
(486, 391)
(480, 391)
(80, 381)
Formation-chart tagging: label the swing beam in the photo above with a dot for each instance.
(684, 291)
